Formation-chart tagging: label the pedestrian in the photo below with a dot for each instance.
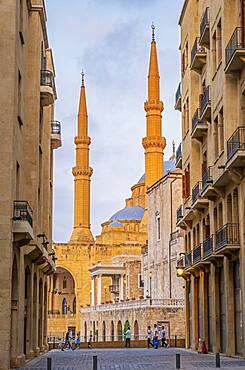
(163, 337)
(128, 337)
(90, 341)
(67, 341)
(155, 337)
(149, 336)
(77, 342)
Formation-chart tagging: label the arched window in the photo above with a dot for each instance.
(119, 331)
(112, 331)
(136, 330)
(104, 331)
(64, 307)
(64, 283)
(74, 308)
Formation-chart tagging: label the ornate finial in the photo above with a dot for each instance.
(82, 74)
(153, 31)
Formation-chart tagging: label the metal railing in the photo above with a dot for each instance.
(207, 178)
(179, 153)
(208, 246)
(204, 22)
(53, 312)
(195, 119)
(197, 49)
(196, 191)
(56, 127)
(237, 41)
(181, 262)
(47, 79)
(22, 211)
(175, 235)
(227, 235)
(179, 213)
(236, 142)
(178, 94)
(197, 253)
(114, 288)
(188, 259)
(204, 100)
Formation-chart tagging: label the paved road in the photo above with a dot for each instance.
(131, 359)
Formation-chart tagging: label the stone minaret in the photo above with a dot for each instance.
(153, 143)
(82, 173)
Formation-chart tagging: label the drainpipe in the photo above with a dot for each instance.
(169, 243)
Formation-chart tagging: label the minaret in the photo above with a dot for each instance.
(153, 143)
(82, 173)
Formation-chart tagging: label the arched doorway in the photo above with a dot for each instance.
(40, 318)
(35, 344)
(14, 309)
(27, 317)
(136, 330)
(103, 332)
(85, 332)
(64, 306)
(74, 306)
(119, 331)
(45, 308)
(112, 331)
(126, 327)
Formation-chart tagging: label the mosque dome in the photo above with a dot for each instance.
(168, 166)
(128, 213)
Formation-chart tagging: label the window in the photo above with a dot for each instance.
(158, 221)
(214, 52)
(221, 131)
(19, 115)
(140, 281)
(21, 11)
(216, 138)
(64, 283)
(17, 195)
(74, 308)
(185, 59)
(127, 281)
(64, 307)
(219, 44)
(186, 183)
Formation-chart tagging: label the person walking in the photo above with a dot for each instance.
(77, 342)
(155, 338)
(163, 337)
(128, 337)
(67, 341)
(90, 341)
(149, 336)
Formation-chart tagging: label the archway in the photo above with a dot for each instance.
(74, 306)
(64, 306)
(119, 331)
(136, 330)
(64, 288)
(126, 327)
(35, 343)
(112, 331)
(40, 318)
(45, 321)
(103, 332)
(27, 317)
(14, 309)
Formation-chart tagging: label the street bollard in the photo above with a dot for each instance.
(175, 341)
(49, 363)
(94, 362)
(217, 359)
(177, 360)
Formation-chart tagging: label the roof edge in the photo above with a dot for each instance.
(183, 12)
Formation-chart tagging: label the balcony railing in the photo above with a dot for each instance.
(204, 100)
(179, 213)
(236, 142)
(197, 49)
(195, 119)
(56, 127)
(237, 42)
(188, 259)
(197, 253)
(47, 79)
(22, 211)
(227, 235)
(208, 246)
(207, 178)
(178, 97)
(175, 235)
(204, 25)
(196, 191)
(114, 288)
(181, 262)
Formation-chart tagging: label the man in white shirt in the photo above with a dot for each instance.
(128, 337)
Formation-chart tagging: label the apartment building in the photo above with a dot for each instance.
(211, 99)
(28, 136)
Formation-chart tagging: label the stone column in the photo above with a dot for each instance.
(92, 291)
(229, 307)
(121, 288)
(99, 291)
(215, 309)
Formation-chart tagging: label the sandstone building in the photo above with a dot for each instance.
(28, 136)
(212, 158)
(98, 287)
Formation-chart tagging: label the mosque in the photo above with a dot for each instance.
(106, 270)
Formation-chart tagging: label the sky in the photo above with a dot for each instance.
(110, 41)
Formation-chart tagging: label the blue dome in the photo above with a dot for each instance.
(116, 223)
(142, 179)
(129, 213)
(168, 166)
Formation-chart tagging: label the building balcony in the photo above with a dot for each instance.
(178, 96)
(188, 260)
(55, 134)
(179, 221)
(235, 51)
(188, 212)
(205, 29)
(181, 262)
(47, 88)
(227, 238)
(236, 149)
(178, 162)
(208, 190)
(197, 255)
(205, 105)
(198, 202)
(22, 223)
(208, 248)
(199, 128)
(198, 56)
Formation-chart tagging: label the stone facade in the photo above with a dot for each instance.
(28, 137)
(213, 162)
